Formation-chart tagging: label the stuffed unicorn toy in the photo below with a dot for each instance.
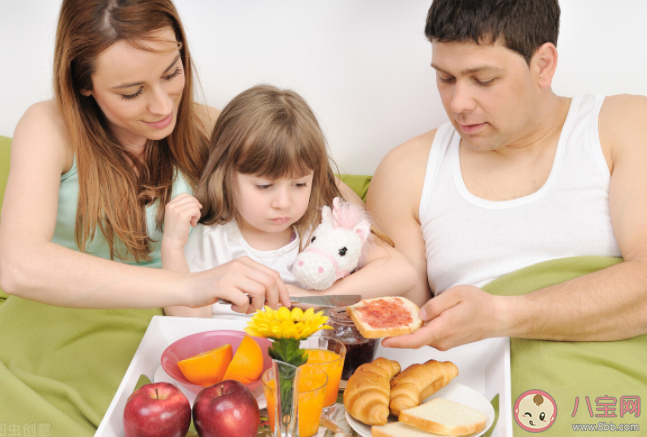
(336, 246)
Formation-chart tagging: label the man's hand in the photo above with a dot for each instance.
(462, 314)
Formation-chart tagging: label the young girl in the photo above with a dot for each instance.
(266, 181)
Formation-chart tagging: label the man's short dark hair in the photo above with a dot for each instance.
(520, 25)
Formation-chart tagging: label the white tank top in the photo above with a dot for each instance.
(472, 241)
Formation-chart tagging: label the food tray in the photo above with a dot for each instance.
(483, 366)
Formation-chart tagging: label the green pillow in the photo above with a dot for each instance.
(5, 148)
(359, 184)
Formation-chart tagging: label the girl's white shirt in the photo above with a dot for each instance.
(211, 246)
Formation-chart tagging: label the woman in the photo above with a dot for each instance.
(91, 173)
(125, 129)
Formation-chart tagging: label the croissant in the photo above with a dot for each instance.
(366, 397)
(419, 381)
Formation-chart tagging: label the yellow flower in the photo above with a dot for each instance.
(283, 323)
(297, 314)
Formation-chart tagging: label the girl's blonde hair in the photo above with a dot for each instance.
(112, 195)
(272, 133)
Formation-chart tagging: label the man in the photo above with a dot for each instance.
(520, 176)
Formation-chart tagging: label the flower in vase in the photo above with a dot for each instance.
(287, 328)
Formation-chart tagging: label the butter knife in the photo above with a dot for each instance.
(332, 426)
(326, 301)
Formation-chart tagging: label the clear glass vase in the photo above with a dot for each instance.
(281, 384)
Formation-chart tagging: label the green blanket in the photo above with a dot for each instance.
(61, 367)
(603, 372)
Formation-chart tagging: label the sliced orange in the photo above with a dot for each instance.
(247, 364)
(208, 367)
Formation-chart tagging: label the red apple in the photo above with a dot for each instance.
(157, 410)
(226, 409)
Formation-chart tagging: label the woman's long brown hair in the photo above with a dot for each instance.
(112, 194)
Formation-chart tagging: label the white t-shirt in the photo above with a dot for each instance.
(211, 246)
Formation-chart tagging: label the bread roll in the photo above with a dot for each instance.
(419, 381)
(366, 397)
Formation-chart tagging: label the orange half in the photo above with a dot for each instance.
(247, 364)
(207, 368)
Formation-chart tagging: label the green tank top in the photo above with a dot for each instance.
(66, 219)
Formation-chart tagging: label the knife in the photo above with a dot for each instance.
(328, 301)
(332, 426)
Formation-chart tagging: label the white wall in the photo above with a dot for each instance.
(363, 65)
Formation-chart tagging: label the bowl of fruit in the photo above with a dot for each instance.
(206, 358)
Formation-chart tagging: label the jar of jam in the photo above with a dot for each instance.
(359, 350)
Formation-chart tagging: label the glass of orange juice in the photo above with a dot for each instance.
(328, 354)
(312, 389)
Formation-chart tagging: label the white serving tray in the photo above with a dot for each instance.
(483, 366)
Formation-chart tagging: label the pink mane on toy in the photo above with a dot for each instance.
(346, 215)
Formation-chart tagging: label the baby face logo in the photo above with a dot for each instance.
(535, 411)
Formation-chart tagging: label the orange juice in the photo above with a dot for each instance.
(332, 364)
(312, 383)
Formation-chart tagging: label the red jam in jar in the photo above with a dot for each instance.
(359, 350)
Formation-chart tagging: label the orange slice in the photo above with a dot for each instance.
(208, 367)
(247, 364)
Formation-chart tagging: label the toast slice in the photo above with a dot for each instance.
(385, 316)
(444, 417)
(398, 429)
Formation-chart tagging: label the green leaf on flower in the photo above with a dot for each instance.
(288, 351)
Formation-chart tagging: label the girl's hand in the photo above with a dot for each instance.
(298, 291)
(179, 215)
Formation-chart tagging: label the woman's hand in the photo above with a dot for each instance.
(180, 215)
(247, 284)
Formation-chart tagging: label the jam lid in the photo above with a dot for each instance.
(338, 314)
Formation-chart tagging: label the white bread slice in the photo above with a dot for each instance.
(398, 429)
(445, 417)
(370, 332)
